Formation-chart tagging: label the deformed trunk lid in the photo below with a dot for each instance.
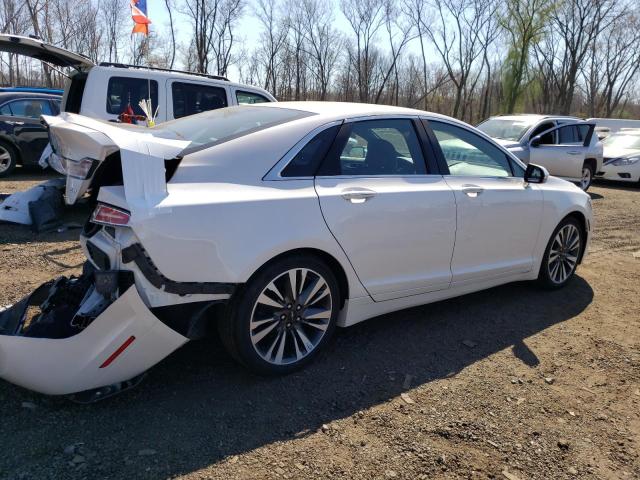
(142, 155)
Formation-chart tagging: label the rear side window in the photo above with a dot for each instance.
(125, 91)
(306, 162)
(191, 98)
(248, 98)
(5, 110)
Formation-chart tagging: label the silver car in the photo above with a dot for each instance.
(565, 146)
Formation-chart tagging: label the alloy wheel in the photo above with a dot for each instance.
(5, 159)
(564, 252)
(586, 178)
(291, 316)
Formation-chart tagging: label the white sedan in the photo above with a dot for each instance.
(279, 222)
(621, 156)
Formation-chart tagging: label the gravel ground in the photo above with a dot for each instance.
(510, 383)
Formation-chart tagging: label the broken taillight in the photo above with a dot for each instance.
(108, 215)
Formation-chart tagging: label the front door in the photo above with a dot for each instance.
(395, 221)
(498, 215)
(562, 150)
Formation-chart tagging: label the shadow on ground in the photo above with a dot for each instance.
(198, 407)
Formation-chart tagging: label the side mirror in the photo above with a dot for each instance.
(535, 141)
(535, 174)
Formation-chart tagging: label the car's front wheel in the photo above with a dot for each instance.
(562, 254)
(283, 316)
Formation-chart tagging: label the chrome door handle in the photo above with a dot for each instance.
(357, 195)
(573, 152)
(13, 122)
(472, 190)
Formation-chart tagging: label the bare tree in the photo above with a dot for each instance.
(365, 17)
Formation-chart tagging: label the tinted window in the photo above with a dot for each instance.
(306, 162)
(543, 127)
(583, 133)
(191, 98)
(380, 147)
(55, 104)
(125, 91)
(248, 97)
(30, 108)
(5, 110)
(568, 134)
(468, 154)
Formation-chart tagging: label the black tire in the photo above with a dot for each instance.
(592, 172)
(546, 275)
(8, 159)
(235, 326)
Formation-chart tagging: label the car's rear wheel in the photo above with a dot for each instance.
(283, 316)
(8, 159)
(562, 254)
(587, 177)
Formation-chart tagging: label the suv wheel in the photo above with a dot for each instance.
(587, 177)
(561, 256)
(8, 159)
(283, 316)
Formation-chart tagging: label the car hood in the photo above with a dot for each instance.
(613, 152)
(506, 143)
(43, 51)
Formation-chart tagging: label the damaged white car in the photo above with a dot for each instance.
(279, 222)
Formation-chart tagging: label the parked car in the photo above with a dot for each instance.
(22, 136)
(281, 221)
(621, 156)
(565, 146)
(608, 126)
(112, 91)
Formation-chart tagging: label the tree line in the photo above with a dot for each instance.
(466, 58)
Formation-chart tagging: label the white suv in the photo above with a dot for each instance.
(105, 91)
(565, 146)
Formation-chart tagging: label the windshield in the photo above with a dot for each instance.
(622, 140)
(210, 128)
(505, 129)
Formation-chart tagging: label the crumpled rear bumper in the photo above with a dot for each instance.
(120, 343)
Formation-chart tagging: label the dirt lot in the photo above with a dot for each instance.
(512, 383)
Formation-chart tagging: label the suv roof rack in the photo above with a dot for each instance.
(125, 65)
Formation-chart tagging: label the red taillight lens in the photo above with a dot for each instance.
(108, 215)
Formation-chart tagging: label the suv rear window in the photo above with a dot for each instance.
(124, 91)
(212, 128)
(191, 98)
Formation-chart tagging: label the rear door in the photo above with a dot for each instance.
(498, 214)
(23, 117)
(388, 208)
(563, 149)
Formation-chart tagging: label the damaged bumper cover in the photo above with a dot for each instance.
(81, 339)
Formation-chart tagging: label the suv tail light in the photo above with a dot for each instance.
(108, 215)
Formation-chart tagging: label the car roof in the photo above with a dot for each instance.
(6, 96)
(337, 110)
(157, 73)
(533, 117)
